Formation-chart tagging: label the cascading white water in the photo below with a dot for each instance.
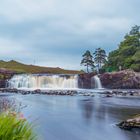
(44, 81)
(97, 82)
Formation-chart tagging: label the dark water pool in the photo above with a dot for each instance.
(78, 117)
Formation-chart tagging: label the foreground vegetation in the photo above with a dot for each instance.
(15, 127)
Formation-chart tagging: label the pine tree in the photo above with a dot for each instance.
(88, 60)
(99, 57)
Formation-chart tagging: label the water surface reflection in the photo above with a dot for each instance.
(78, 117)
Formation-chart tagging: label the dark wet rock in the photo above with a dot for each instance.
(109, 95)
(4, 76)
(121, 80)
(51, 92)
(13, 90)
(129, 124)
(126, 79)
(36, 91)
(2, 83)
(107, 92)
(115, 93)
(84, 80)
(47, 92)
(132, 94)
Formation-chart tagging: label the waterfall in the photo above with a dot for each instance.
(43, 81)
(97, 82)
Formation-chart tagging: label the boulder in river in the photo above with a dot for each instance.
(130, 123)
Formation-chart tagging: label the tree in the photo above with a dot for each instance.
(88, 60)
(127, 55)
(100, 57)
(135, 30)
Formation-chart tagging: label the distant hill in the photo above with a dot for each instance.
(23, 68)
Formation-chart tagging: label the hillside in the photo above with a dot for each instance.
(23, 68)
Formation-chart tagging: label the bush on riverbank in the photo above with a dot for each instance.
(15, 127)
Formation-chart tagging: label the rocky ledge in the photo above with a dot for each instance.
(106, 93)
(38, 91)
(126, 79)
(123, 93)
(85, 80)
(47, 92)
(129, 124)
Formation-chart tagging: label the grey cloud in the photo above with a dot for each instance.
(47, 29)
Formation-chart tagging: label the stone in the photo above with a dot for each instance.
(131, 123)
(126, 79)
(84, 80)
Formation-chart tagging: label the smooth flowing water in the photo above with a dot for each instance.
(39, 81)
(96, 82)
(78, 117)
(45, 81)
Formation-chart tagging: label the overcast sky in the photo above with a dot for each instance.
(57, 32)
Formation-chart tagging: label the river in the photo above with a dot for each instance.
(77, 117)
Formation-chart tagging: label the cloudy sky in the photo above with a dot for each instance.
(57, 32)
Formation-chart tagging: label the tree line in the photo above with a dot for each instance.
(95, 60)
(127, 56)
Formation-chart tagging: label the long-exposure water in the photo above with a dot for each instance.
(77, 117)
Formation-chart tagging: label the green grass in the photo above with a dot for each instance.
(23, 68)
(14, 127)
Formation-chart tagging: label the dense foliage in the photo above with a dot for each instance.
(127, 56)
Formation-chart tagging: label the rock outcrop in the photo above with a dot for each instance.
(121, 80)
(84, 80)
(4, 76)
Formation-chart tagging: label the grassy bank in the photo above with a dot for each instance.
(23, 68)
